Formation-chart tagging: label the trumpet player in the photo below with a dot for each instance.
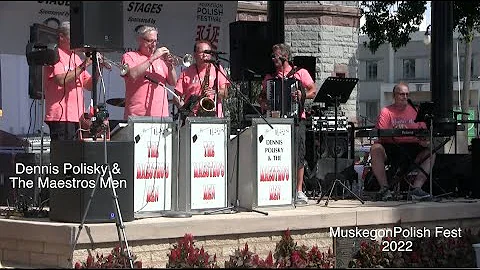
(199, 81)
(64, 83)
(148, 97)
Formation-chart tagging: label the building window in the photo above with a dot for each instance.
(418, 87)
(408, 68)
(372, 70)
(372, 111)
(462, 67)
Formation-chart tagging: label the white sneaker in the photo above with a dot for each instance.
(301, 197)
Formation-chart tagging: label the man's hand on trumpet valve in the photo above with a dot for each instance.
(169, 60)
(159, 52)
(103, 62)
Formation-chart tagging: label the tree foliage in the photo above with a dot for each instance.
(466, 18)
(393, 21)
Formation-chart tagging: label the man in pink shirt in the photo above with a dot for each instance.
(149, 70)
(285, 69)
(199, 80)
(400, 115)
(64, 83)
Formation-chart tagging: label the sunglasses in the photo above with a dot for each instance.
(150, 41)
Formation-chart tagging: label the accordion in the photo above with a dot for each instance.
(280, 99)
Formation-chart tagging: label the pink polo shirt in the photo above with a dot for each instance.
(64, 102)
(391, 117)
(142, 97)
(301, 75)
(190, 81)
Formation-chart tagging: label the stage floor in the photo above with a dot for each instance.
(40, 235)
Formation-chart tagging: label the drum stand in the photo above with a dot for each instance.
(236, 207)
(118, 215)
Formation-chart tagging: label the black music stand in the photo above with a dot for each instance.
(334, 91)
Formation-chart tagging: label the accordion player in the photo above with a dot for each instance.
(280, 98)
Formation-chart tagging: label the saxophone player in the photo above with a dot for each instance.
(196, 84)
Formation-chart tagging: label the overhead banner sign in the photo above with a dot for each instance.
(179, 24)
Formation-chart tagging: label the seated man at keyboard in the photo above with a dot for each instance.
(400, 115)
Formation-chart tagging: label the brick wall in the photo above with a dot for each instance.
(153, 253)
(33, 253)
(327, 30)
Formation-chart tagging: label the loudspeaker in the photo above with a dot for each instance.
(78, 162)
(307, 62)
(475, 184)
(325, 171)
(35, 82)
(452, 173)
(96, 25)
(328, 148)
(250, 50)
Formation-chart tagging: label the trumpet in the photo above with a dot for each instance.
(122, 67)
(186, 60)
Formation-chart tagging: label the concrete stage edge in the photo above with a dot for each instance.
(40, 242)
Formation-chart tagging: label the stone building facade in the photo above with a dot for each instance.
(328, 30)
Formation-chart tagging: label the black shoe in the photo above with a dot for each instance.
(417, 194)
(384, 194)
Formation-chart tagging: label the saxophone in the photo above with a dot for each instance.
(207, 105)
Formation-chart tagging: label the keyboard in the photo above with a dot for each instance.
(393, 133)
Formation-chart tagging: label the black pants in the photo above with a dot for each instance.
(63, 131)
(300, 134)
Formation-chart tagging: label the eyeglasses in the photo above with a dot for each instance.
(149, 41)
(274, 56)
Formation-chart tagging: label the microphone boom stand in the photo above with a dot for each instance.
(236, 207)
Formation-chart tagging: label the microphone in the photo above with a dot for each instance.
(154, 81)
(411, 104)
(213, 52)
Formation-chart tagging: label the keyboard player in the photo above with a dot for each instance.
(400, 115)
